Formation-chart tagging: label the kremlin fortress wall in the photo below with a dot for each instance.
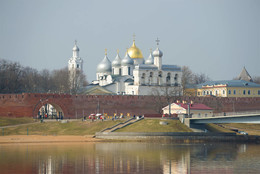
(75, 106)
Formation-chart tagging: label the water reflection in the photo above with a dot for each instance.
(129, 158)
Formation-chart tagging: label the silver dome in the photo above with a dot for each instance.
(127, 60)
(117, 61)
(150, 60)
(157, 53)
(75, 48)
(104, 65)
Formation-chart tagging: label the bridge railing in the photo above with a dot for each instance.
(236, 113)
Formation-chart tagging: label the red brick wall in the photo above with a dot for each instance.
(20, 105)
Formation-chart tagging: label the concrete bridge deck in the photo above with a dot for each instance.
(245, 118)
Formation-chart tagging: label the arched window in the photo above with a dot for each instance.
(234, 92)
(129, 70)
(150, 78)
(159, 78)
(143, 79)
(244, 92)
(168, 79)
(249, 92)
(120, 71)
(176, 77)
(229, 91)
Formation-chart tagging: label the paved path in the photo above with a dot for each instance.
(18, 125)
(120, 125)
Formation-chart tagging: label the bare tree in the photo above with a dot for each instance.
(200, 78)
(15, 78)
(77, 81)
(10, 77)
(166, 95)
(187, 76)
(61, 80)
(256, 79)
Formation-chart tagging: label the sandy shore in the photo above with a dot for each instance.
(46, 139)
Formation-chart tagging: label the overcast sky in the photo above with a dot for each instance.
(215, 37)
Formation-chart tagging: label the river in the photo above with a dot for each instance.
(129, 157)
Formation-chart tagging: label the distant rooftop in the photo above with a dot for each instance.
(244, 75)
(229, 83)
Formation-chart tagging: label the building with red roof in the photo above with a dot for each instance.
(196, 110)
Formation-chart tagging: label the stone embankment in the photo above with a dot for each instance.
(187, 137)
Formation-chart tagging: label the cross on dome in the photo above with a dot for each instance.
(105, 51)
(134, 37)
(157, 41)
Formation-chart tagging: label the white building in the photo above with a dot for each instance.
(75, 67)
(196, 110)
(132, 75)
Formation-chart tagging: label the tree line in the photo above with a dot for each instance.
(15, 78)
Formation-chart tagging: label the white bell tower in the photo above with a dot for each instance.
(75, 67)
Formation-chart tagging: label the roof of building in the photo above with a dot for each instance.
(229, 83)
(244, 75)
(171, 68)
(194, 106)
(96, 90)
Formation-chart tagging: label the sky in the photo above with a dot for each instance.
(214, 37)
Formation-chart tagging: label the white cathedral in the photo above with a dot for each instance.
(132, 75)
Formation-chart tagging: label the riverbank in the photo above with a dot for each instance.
(48, 139)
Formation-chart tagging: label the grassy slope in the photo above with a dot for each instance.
(251, 129)
(152, 125)
(57, 128)
(215, 128)
(5, 121)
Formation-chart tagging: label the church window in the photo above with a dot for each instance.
(168, 79)
(143, 76)
(77, 65)
(143, 79)
(249, 92)
(120, 71)
(244, 92)
(160, 74)
(176, 77)
(129, 70)
(151, 78)
(113, 71)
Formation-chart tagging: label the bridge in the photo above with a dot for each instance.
(245, 118)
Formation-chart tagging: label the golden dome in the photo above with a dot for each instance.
(134, 52)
